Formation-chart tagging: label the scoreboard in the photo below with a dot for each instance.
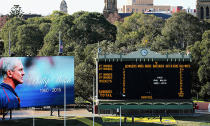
(134, 80)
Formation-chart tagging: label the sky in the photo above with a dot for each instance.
(45, 7)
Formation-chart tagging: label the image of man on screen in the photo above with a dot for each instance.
(12, 72)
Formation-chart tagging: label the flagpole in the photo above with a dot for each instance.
(59, 42)
(64, 104)
(97, 60)
(93, 103)
(9, 45)
(33, 108)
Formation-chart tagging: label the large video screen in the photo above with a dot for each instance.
(40, 82)
(144, 80)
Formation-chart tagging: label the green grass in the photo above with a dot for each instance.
(107, 121)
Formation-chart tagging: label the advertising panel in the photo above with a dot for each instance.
(36, 81)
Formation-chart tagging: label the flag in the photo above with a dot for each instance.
(9, 48)
(60, 46)
(99, 50)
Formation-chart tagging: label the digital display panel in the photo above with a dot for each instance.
(43, 80)
(144, 80)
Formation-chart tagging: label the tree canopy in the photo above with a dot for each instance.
(81, 28)
(16, 11)
(11, 28)
(29, 40)
(179, 31)
(83, 32)
(138, 30)
(201, 56)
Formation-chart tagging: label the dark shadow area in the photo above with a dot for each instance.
(42, 122)
(131, 124)
(202, 118)
(100, 121)
(70, 121)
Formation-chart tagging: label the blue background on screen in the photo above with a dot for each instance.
(44, 81)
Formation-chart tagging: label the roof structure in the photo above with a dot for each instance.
(161, 15)
(145, 55)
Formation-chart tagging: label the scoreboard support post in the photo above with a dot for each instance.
(51, 111)
(97, 81)
(120, 117)
(10, 114)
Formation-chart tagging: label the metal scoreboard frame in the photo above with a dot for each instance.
(169, 76)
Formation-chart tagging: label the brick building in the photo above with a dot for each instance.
(110, 11)
(3, 20)
(203, 7)
(143, 6)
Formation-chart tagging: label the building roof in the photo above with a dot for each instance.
(150, 55)
(161, 15)
(123, 15)
(26, 16)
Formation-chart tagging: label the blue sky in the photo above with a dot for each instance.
(45, 7)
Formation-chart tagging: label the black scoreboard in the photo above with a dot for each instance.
(128, 80)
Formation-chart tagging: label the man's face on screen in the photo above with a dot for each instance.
(18, 73)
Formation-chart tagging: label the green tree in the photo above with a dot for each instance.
(38, 20)
(180, 31)
(204, 63)
(30, 40)
(201, 60)
(205, 91)
(78, 14)
(138, 30)
(161, 43)
(195, 53)
(16, 11)
(44, 28)
(107, 47)
(92, 27)
(80, 28)
(51, 40)
(1, 47)
(55, 15)
(43, 23)
(85, 70)
(10, 27)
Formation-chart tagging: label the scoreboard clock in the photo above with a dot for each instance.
(144, 52)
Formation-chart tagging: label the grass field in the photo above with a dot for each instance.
(193, 121)
(110, 121)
